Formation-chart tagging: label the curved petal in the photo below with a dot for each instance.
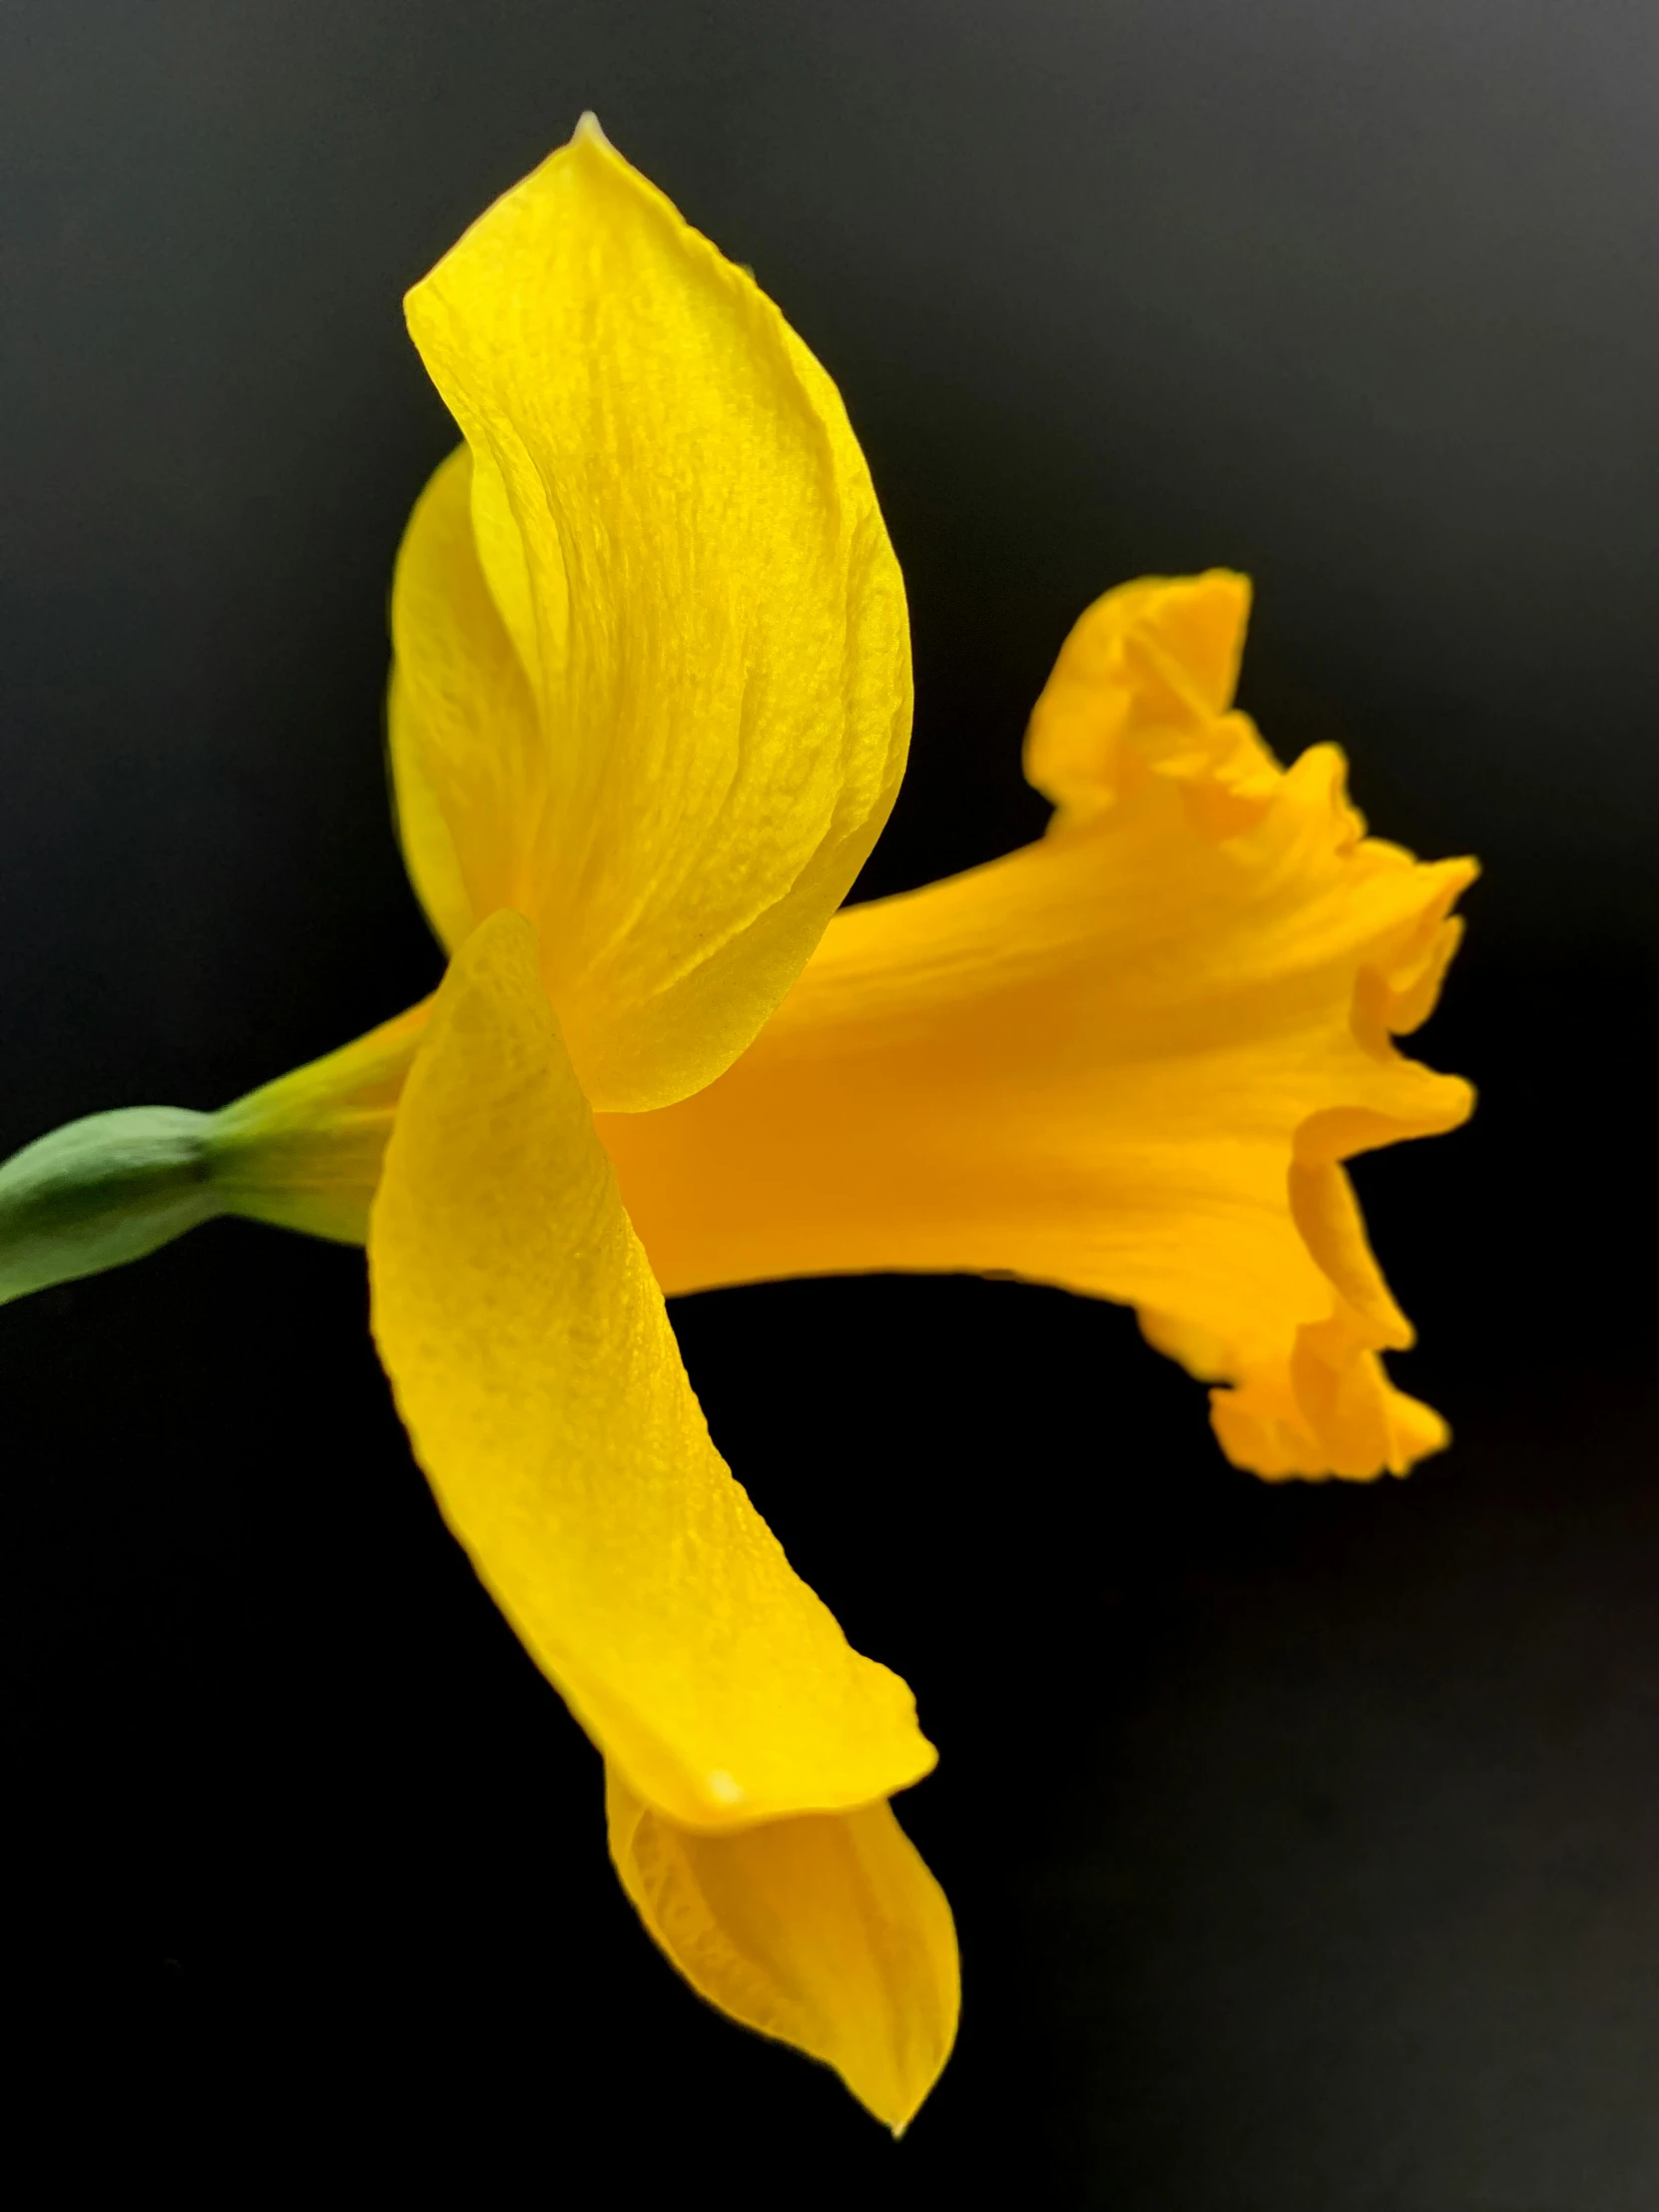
(468, 765)
(828, 1933)
(681, 537)
(542, 1388)
(1127, 1060)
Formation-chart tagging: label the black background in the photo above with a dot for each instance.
(1305, 1842)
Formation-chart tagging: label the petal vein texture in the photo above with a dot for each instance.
(652, 682)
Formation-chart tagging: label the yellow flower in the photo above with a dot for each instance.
(648, 714)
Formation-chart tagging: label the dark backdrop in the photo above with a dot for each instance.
(1305, 1841)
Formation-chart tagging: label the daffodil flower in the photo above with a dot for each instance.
(649, 709)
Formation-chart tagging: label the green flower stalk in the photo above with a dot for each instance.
(100, 1192)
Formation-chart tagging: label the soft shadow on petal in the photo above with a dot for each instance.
(827, 1932)
(468, 762)
(543, 1392)
(679, 533)
(1127, 1060)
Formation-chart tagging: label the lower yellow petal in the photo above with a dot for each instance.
(543, 1392)
(1126, 1060)
(827, 1932)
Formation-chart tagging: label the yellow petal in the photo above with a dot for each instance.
(681, 539)
(828, 1933)
(1127, 1060)
(468, 763)
(543, 1392)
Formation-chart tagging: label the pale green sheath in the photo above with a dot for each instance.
(303, 1153)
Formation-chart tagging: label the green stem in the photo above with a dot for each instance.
(100, 1192)
(303, 1152)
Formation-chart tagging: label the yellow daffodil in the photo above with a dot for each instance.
(649, 709)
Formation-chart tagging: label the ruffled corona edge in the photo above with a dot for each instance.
(1327, 1406)
(1143, 692)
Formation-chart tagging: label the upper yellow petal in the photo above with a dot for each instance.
(681, 540)
(827, 1932)
(1126, 1060)
(543, 1392)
